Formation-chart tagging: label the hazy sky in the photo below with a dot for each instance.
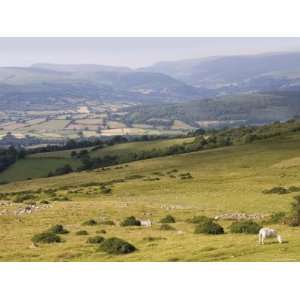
(132, 52)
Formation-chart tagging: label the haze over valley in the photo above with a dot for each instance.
(52, 102)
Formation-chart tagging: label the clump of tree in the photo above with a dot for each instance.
(9, 156)
(66, 169)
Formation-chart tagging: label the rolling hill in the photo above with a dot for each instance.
(231, 110)
(40, 164)
(232, 74)
(222, 181)
(60, 84)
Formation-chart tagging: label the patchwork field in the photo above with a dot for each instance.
(222, 181)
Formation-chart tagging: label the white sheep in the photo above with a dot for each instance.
(268, 233)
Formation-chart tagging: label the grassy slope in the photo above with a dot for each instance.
(39, 165)
(225, 180)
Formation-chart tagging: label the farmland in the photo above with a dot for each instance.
(76, 121)
(222, 181)
(40, 164)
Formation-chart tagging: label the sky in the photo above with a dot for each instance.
(131, 51)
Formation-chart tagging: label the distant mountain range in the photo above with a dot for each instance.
(47, 83)
(231, 74)
(164, 82)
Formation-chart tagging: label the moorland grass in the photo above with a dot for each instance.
(220, 184)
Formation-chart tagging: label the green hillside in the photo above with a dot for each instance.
(40, 164)
(220, 181)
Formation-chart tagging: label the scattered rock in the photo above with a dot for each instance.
(240, 216)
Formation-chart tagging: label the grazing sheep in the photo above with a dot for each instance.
(268, 233)
(146, 223)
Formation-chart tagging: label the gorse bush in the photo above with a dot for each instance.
(131, 221)
(247, 226)
(168, 219)
(46, 238)
(82, 232)
(58, 229)
(209, 228)
(90, 222)
(95, 239)
(116, 246)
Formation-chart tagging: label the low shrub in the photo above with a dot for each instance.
(46, 238)
(58, 229)
(95, 239)
(82, 232)
(247, 226)
(131, 221)
(90, 222)
(209, 228)
(276, 190)
(293, 189)
(166, 227)
(168, 219)
(294, 218)
(101, 231)
(116, 246)
(277, 218)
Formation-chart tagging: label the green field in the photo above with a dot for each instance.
(39, 165)
(224, 180)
